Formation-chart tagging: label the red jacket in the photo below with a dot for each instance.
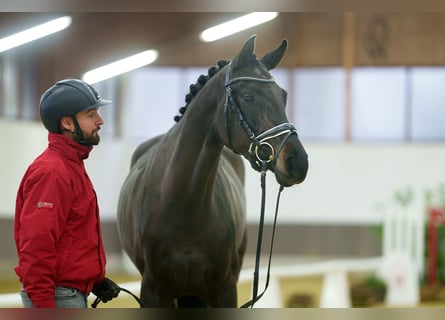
(57, 226)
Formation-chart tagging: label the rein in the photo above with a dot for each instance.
(255, 296)
(139, 301)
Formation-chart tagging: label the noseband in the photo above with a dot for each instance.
(260, 140)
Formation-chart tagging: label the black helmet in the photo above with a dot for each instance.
(66, 98)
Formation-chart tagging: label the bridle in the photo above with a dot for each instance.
(260, 140)
(259, 164)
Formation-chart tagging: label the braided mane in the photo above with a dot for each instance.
(194, 88)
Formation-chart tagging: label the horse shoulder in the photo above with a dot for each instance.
(236, 161)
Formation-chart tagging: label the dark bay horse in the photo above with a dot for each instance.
(181, 211)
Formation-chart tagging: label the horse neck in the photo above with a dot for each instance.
(195, 156)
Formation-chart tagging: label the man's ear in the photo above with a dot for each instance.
(66, 123)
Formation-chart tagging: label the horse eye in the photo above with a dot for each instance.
(248, 98)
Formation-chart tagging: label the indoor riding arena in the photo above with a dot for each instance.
(302, 157)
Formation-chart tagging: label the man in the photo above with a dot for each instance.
(61, 258)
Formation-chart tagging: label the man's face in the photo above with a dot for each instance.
(90, 122)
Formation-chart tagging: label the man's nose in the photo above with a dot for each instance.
(100, 120)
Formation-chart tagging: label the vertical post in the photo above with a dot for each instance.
(436, 217)
(399, 225)
(335, 289)
(10, 84)
(432, 249)
(2, 81)
(348, 59)
(420, 242)
(409, 235)
(388, 231)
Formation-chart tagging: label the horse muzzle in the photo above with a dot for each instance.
(292, 166)
(263, 155)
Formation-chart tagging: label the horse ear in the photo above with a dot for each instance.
(272, 59)
(246, 52)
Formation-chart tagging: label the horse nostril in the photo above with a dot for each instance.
(297, 165)
(291, 163)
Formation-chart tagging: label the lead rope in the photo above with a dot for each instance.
(141, 303)
(255, 296)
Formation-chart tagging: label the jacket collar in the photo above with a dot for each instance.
(68, 147)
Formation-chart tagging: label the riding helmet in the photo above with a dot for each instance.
(66, 98)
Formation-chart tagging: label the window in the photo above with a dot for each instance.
(150, 102)
(428, 103)
(388, 104)
(378, 104)
(318, 103)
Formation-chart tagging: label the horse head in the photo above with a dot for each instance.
(255, 121)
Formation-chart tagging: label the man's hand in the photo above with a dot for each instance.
(106, 290)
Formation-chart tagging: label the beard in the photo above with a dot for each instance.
(92, 139)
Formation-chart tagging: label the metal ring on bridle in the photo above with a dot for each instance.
(257, 147)
(285, 128)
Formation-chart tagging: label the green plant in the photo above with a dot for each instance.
(376, 282)
(368, 292)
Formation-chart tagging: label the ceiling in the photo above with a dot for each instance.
(94, 39)
(314, 39)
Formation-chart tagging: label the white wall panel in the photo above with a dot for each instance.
(345, 185)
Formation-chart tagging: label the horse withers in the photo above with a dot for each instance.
(181, 211)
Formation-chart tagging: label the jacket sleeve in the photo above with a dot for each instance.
(47, 198)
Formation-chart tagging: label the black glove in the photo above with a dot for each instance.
(106, 290)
